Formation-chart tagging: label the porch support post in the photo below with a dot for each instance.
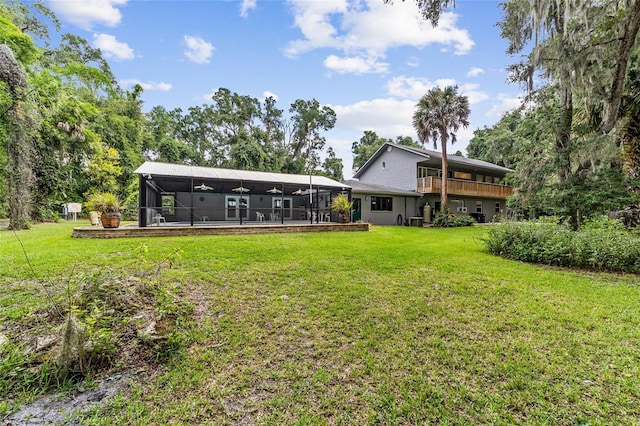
(240, 202)
(282, 203)
(191, 208)
(317, 204)
(142, 202)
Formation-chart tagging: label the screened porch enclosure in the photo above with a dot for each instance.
(255, 198)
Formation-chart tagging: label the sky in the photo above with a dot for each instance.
(369, 61)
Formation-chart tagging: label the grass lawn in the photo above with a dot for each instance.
(398, 325)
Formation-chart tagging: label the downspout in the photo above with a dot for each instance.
(405, 209)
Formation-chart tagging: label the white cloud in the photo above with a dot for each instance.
(149, 85)
(267, 94)
(87, 13)
(388, 117)
(505, 103)
(198, 50)
(415, 88)
(470, 90)
(246, 6)
(361, 29)
(409, 87)
(474, 72)
(355, 65)
(207, 97)
(112, 48)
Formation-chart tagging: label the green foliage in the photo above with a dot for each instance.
(18, 377)
(447, 220)
(103, 202)
(341, 205)
(438, 115)
(104, 168)
(20, 43)
(332, 166)
(601, 245)
(364, 148)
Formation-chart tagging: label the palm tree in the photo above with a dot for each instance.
(438, 114)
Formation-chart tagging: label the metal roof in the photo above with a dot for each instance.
(367, 188)
(154, 168)
(426, 154)
(458, 159)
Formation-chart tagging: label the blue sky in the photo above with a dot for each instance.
(369, 61)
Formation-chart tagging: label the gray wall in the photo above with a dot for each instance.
(213, 206)
(399, 171)
(386, 217)
(488, 205)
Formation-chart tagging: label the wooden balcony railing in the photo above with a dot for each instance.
(432, 184)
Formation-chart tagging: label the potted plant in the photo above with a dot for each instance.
(108, 205)
(342, 206)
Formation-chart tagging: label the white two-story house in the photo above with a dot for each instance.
(399, 183)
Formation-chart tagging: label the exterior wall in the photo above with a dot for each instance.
(212, 206)
(486, 176)
(487, 205)
(387, 217)
(394, 169)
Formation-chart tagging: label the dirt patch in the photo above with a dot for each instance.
(65, 408)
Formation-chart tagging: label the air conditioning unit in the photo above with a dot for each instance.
(463, 209)
(459, 210)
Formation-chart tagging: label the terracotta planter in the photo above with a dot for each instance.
(110, 220)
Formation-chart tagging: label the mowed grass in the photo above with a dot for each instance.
(397, 325)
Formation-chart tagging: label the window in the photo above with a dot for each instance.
(496, 180)
(479, 178)
(478, 206)
(169, 203)
(497, 207)
(381, 204)
(462, 175)
(426, 172)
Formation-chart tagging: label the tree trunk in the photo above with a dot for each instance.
(19, 150)
(445, 165)
(627, 41)
(563, 147)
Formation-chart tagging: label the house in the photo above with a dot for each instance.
(399, 180)
(183, 194)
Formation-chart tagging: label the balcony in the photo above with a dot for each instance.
(432, 184)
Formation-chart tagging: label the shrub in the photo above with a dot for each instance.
(601, 245)
(447, 221)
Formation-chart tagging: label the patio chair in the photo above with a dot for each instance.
(274, 217)
(159, 218)
(260, 217)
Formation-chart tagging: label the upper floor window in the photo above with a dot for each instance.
(426, 171)
(462, 175)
